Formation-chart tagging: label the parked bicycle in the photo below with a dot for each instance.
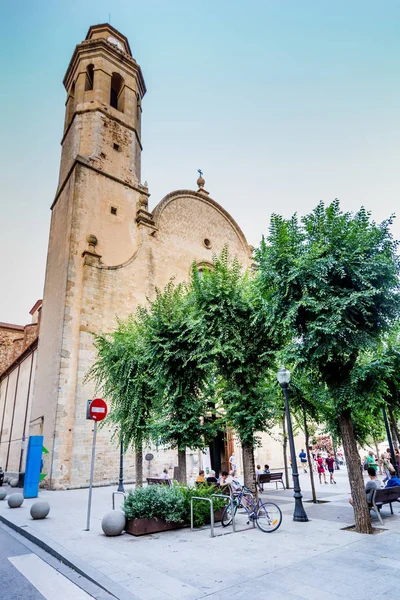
(267, 515)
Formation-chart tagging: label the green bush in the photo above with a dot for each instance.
(171, 503)
(201, 510)
(156, 502)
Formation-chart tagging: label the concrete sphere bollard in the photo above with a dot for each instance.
(3, 493)
(40, 510)
(5, 480)
(113, 523)
(13, 482)
(15, 500)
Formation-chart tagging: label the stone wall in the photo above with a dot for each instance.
(8, 333)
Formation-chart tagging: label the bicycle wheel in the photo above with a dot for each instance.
(226, 518)
(268, 517)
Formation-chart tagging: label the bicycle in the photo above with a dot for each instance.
(267, 515)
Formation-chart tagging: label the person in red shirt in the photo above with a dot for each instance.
(330, 463)
(321, 468)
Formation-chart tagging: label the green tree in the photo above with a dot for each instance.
(332, 284)
(180, 373)
(238, 342)
(121, 373)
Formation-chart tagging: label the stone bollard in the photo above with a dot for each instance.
(113, 523)
(13, 482)
(15, 500)
(3, 493)
(40, 510)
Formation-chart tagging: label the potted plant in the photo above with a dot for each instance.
(153, 509)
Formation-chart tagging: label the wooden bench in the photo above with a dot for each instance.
(268, 477)
(385, 496)
(158, 481)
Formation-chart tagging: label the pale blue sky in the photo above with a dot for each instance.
(280, 102)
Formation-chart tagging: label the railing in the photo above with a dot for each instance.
(211, 503)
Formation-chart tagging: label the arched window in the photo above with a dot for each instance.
(89, 78)
(117, 92)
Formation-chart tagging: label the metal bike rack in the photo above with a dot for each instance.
(211, 503)
(113, 498)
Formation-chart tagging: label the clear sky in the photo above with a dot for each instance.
(280, 102)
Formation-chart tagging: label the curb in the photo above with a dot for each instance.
(67, 558)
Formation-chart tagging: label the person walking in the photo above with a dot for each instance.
(371, 460)
(321, 468)
(330, 463)
(303, 460)
(387, 467)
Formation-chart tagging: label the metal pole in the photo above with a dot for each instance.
(389, 437)
(299, 512)
(121, 468)
(91, 478)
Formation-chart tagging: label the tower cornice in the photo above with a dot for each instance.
(105, 48)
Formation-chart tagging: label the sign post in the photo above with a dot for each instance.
(97, 411)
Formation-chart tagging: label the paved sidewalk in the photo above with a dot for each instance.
(301, 560)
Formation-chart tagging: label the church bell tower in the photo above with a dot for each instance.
(95, 228)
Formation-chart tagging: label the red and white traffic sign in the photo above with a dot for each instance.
(98, 409)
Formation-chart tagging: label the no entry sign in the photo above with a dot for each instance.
(98, 409)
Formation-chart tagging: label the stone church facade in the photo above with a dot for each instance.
(107, 252)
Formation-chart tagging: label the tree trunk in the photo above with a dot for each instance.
(139, 465)
(393, 429)
(249, 472)
(378, 458)
(285, 461)
(182, 466)
(310, 464)
(360, 506)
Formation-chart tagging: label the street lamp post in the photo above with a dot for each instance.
(121, 467)
(299, 514)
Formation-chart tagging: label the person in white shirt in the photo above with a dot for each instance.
(164, 475)
(232, 462)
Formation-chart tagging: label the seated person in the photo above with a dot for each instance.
(371, 485)
(164, 475)
(200, 477)
(393, 481)
(225, 478)
(234, 483)
(211, 477)
(266, 469)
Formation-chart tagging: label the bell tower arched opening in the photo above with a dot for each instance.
(89, 78)
(117, 92)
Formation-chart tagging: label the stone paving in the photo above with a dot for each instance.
(301, 560)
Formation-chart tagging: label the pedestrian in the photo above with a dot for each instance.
(397, 458)
(330, 463)
(303, 460)
(232, 462)
(387, 467)
(371, 460)
(258, 473)
(320, 468)
(372, 484)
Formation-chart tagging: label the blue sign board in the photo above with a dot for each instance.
(33, 466)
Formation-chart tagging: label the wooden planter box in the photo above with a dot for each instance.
(147, 526)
